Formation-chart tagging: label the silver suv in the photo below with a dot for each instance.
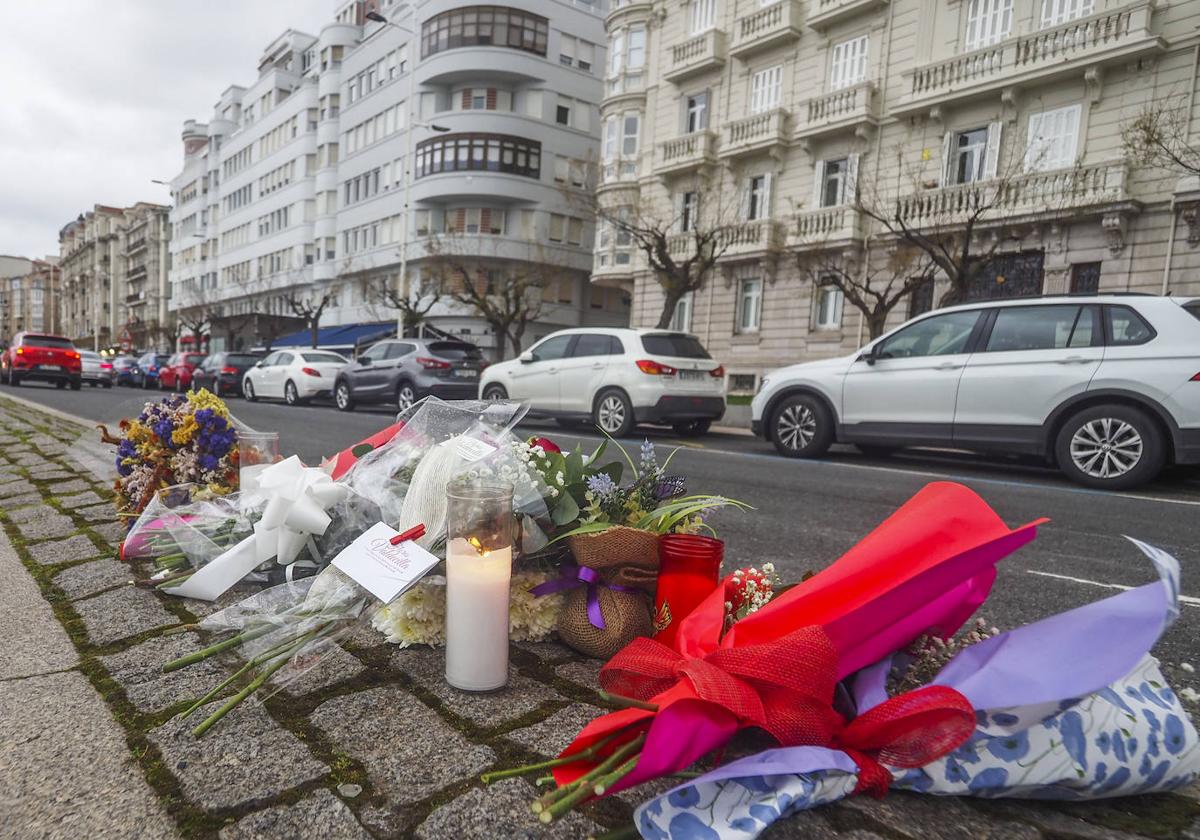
(401, 371)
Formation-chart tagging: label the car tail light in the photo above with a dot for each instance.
(310, 371)
(106, 366)
(718, 372)
(432, 364)
(1196, 378)
(230, 370)
(483, 363)
(655, 368)
(75, 356)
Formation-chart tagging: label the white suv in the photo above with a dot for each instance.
(1106, 386)
(615, 378)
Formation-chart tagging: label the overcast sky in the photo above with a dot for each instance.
(95, 93)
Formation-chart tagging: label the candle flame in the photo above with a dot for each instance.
(478, 546)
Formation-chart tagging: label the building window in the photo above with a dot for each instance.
(626, 58)
(562, 115)
(836, 182)
(479, 152)
(484, 26)
(988, 21)
(1053, 136)
(702, 16)
(1055, 12)
(765, 88)
(749, 305)
(695, 112)
(971, 155)
(1085, 278)
(689, 211)
(921, 299)
(829, 308)
(681, 319)
(758, 197)
(849, 65)
(619, 145)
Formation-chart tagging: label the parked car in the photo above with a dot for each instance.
(295, 376)
(1107, 387)
(222, 373)
(43, 358)
(615, 378)
(96, 369)
(176, 374)
(124, 370)
(148, 367)
(402, 371)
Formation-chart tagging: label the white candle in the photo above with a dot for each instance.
(477, 616)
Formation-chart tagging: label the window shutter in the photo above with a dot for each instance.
(491, 99)
(1035, 143)
(991, 161)
(850, 182)
(460, 219)
(466, 98)
(948, 159)
(745, 198)
(818, 183)
(485, 220)
(1070, 135)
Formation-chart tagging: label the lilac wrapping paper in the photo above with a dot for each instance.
(1070, 707)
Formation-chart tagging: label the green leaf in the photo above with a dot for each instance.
(574, 471)
(613, 469)
(361, 450)
(586, 528)
(598, 452)
(566, 511)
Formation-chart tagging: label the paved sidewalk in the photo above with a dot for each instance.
(372, 743)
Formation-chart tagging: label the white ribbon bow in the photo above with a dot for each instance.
(298, 498)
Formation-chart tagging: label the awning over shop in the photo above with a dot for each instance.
(343, 337)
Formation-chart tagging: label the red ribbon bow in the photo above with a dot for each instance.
(786, 687)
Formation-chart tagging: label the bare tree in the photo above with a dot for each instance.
(413, 301)
(310, 304)
(873, 280)
(1160, 136)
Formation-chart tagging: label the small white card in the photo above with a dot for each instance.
(383, 569)
(469, 449)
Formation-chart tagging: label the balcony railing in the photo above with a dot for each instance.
(755, 133)
(766, 27)
(825, 13)
(687, 152)
(852, 106)
(757, 237)
(1060, 191)
(1118, 35)
(696, 55)
(826, 226)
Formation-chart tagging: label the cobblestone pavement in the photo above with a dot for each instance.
(371, 744)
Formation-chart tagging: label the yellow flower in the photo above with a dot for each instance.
(205, 399)
(184, 433)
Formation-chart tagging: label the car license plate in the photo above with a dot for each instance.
(691, 375)
(49, 367)
(466, 374)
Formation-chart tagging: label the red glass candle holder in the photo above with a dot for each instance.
(689, 570)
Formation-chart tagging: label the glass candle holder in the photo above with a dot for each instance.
(479, 552)
(689, 570)
(256, 452)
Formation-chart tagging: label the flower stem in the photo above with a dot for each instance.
(628, 702)
(253, 663)
(583, 755)
(558, 802)
(213, 650)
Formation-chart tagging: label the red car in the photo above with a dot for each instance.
(39, 357)
(176, 374)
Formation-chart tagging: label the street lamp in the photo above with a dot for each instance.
(410, 123)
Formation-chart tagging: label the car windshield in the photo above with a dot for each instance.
(455, 350)
(323, 358)
(193, 358)
(241, 359)
(47, 341)
(680, 345)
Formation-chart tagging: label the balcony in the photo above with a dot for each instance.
(854, 108)
(135, 298)
(1111, 37)
(767, 131)
(697, 55)
(757, 238)
(825, 13)
(688, 153)
(826, 227)
(1098, 187)
(766, 27)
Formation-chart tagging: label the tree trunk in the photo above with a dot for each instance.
(671, 298)
(876, 323)
(315, 325)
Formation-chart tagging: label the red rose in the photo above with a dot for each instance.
(546, 444)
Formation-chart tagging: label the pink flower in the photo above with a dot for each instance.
(546, 444)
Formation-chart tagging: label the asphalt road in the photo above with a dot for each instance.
(807, 513)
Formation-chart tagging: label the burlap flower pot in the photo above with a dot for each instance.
(624, 557)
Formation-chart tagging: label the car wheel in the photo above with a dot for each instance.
(613, 413)
(495, 393)
(290, 395)
(107, 384)
(801, 427)
(248, 391)
(76, 385)
(60, 385)
(342, 396)
(1110, 446)
(405, 396)
(692, 428)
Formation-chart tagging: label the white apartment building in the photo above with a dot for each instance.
(375, 155)
(792, 115)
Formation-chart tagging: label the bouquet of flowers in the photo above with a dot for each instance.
(180, 440)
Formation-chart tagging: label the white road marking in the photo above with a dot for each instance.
(1183, 599)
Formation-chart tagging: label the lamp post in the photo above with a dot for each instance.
(410, 123)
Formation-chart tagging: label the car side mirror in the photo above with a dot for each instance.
(261, 363)
(366, 360)
(526, 357)
(869, 356)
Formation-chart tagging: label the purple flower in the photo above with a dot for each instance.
(208, 463)
(601, 484)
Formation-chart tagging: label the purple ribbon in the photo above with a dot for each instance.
(572, 576)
